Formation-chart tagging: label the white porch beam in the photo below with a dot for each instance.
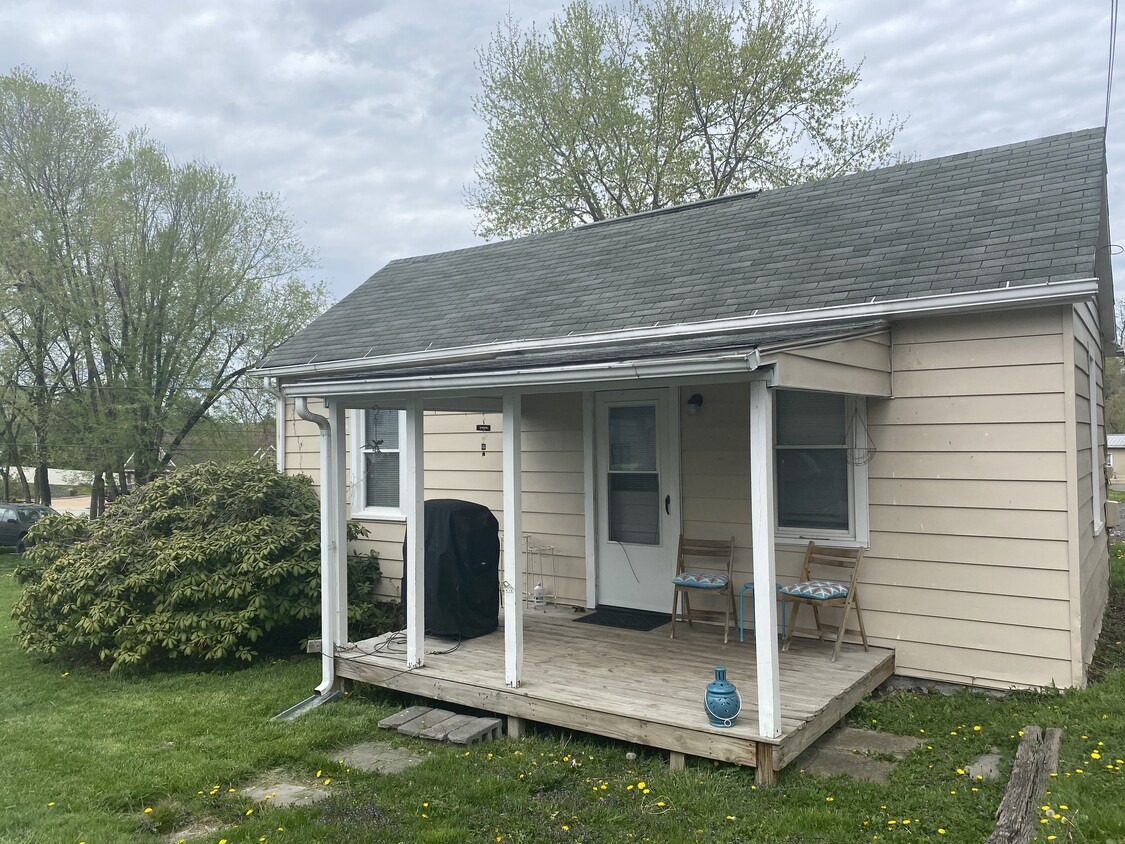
(513, 542)
(589, 443)
(413, 505)
(765, 568)
(335, 494)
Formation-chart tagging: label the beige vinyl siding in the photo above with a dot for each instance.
(553, 491)
(1091, 554)
(969, 501)
(860, 366)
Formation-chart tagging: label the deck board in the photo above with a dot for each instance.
(636, 686)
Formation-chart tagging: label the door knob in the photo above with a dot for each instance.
(668, 504)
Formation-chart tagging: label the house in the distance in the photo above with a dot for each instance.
(908, 359)
(1115, 456)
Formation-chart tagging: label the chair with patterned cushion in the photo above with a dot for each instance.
(828, 579)
(703, 566)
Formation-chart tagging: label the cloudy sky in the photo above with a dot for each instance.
(359, 113)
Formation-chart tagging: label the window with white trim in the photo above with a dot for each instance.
(377, 464)
(821, 453)
(1095, 449)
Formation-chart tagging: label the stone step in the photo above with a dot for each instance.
(442, 725)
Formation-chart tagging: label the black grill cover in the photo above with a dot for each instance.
(462, 569)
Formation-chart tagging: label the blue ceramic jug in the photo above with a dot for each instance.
(722, 700)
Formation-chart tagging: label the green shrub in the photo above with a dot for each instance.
(210, 564)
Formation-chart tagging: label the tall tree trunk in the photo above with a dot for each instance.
(97, 495)
(43, 484)
(24, 484)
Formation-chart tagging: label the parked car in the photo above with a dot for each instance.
(16, 519)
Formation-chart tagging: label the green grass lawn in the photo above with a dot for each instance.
(86, 753)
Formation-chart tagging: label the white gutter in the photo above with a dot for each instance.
(1010, 297)
(327, 566)
(745, 361)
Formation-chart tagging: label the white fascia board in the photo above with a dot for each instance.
(576, 374)
(976, 300)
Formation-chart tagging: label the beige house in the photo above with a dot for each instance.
(1115, 456)
(909, 360)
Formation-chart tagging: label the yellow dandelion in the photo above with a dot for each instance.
(730, 817)
(566, 828)
(327, 780)
(976, 729)
(660, 803)
(318, 774)
(829, 799)
(941, 830)
(1063, 806)
(641, 785)
(148, 810)
(960, 772)
(249, 812)
(52, 803)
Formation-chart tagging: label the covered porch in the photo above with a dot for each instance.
(628, 559)
(633, 686)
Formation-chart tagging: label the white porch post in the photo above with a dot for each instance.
(513, 543)
(765, 569)
(413, 495)
(335, 485)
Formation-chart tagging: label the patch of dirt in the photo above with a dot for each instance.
(203, 828)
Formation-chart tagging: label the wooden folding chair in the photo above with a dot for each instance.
(817, 592)
(703, 565)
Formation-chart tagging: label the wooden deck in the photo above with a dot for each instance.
(640, 687)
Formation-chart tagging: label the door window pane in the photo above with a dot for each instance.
(634, 508)
(632, 438)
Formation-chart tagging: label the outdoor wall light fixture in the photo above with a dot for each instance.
(694, 403)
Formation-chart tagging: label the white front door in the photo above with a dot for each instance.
(638, 498)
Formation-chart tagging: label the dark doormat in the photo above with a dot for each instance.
(626, 618)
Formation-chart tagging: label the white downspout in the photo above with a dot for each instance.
(327, 557)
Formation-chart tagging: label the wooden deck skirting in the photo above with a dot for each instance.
(640, 687)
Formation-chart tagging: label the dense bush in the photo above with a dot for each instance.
(210, 563)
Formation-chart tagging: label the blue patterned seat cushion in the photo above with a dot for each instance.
(821, 590)
(701, 580)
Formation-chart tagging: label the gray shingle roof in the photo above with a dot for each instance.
(1018, 214)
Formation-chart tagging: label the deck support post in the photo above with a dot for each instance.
(513, 541)
(677, 761)
(764, 773)
(516, 727)
(765, 567)
(413, 505)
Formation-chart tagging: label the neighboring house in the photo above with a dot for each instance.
(908, 359)
(1115, 454)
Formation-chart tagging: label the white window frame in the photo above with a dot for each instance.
(1096, 471)
(359, 452)
(859, 522)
